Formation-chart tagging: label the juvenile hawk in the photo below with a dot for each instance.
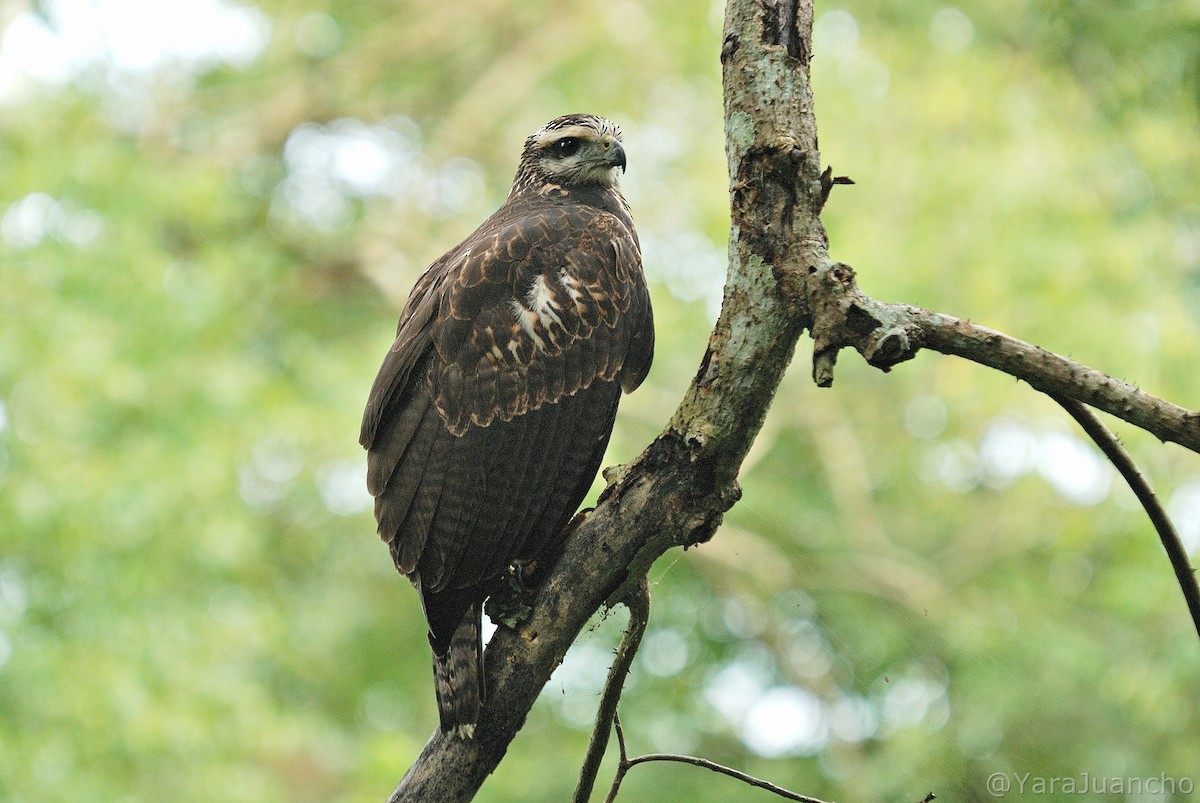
(490, 415)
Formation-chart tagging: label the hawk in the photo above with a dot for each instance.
(490, 415)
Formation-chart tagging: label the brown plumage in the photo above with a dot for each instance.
(490, 415)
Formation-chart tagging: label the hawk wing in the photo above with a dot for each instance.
(490, 415)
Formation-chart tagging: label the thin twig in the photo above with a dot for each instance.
(623, 764)
(1137, 481)
(638, 603)
(732, 773)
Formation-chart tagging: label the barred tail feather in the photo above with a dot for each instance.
(458, 676)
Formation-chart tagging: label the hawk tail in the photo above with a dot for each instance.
(458, 677)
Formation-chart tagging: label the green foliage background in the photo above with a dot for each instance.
(930, 578)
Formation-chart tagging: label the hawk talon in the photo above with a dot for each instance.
(511, 601)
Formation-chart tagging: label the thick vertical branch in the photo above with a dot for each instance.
(676, 492)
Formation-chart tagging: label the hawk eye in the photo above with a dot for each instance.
(567, 146)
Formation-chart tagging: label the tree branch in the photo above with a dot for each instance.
(625, 763)
(638, 603)
(749, 780)
(1108, 443)
(887, 334)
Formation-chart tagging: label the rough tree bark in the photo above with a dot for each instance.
(781, 282)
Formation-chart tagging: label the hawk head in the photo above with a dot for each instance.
(578, 149)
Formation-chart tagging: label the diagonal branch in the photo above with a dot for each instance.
(1061, 377)
(887, 334)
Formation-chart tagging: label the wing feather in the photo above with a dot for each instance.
(394, 503)
(417, 320)
(569, 304)
(491, 412)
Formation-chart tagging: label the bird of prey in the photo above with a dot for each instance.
(490, 415)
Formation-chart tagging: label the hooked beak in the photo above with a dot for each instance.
(614, 153)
